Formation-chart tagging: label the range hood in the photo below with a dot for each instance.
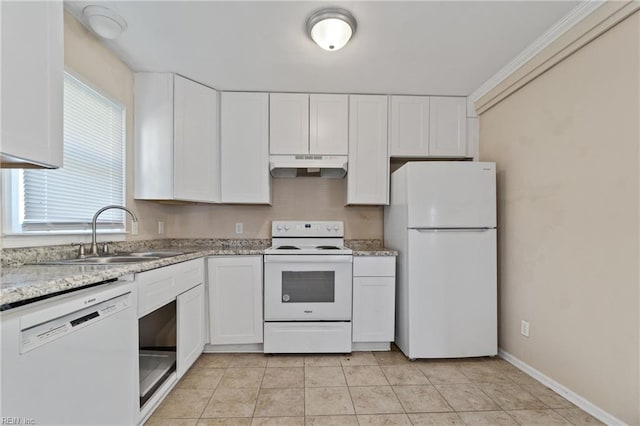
(329, 166)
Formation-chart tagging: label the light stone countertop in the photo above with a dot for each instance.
(20, 283)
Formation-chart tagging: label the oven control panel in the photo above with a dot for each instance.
(296, 228)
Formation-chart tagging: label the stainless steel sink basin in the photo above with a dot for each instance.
(159, 253)
(101, 260)
(112, 259)
(133, 257)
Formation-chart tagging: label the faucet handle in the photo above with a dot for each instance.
(81, 252)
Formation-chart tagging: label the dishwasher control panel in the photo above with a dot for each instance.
(38, 335)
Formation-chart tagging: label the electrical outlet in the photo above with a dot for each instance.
(134, 228)
(239, 228)
(160, 227)
(524, 328)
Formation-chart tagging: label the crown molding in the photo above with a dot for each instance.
(570, 20)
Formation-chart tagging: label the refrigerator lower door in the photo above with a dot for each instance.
(452, 293)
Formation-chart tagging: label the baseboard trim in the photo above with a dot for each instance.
(249, 347)
(370, 346)
(563, 391)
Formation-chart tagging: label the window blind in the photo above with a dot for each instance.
(93, 172)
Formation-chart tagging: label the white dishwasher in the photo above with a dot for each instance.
(72, 360)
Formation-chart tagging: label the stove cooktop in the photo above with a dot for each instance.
(314, 237)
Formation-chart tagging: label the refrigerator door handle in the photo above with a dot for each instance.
(451, 229)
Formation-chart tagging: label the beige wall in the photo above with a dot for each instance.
(300, 198)
(566, 146)
(305, 198)
(88, 59)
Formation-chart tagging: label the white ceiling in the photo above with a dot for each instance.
(418, 47)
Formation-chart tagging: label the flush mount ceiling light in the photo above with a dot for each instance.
(104, 22)
(331, 28)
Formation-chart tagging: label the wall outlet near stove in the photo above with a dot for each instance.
(134, 228)
(239, 228)
(524, 328)
(160, 227)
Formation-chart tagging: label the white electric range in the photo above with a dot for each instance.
(307, 288)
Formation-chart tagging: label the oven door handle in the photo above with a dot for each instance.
(306, 258)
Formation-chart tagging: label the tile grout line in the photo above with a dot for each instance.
(212, 393)
(255, 405)
(439, 393)
(350, 396)
(396, 395)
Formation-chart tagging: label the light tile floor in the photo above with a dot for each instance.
(363, 388)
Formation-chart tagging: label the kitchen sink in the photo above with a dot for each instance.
(158, 253)
(133, 257)
(100, 260)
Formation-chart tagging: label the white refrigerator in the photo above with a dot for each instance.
(441, 219)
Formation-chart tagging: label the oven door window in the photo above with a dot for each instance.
(308, 286)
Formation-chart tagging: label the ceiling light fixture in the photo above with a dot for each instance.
(104, 22)
(331, 28)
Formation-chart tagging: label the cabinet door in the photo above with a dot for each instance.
(190, 328)
(409, 126)
(329, 124)
(448, 126)
(368, 176)
(153, 136)
(235, 299)
(195, 147)
(288, 123)
(373, 309)
(32, 82)
(245, 148)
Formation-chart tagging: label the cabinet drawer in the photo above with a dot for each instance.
(155, 288)
(191, 274)
(160, 286)
(307, 337)
(374, 266)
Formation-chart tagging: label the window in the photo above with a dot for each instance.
(92, 175)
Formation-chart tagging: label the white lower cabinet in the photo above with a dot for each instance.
(374, 289)
(191, 328)
(235, 300)
(171, 314)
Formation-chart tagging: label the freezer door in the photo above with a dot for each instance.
(452, 293)
(451, 194)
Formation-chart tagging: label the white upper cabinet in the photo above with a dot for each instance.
(368, 177)
(302, 124)
(448, 127)
(196, 149)
(244, 153)
(32, 83)
(409, 136)
(329, 124)
(428, 126)
(289, 123)
(176, 139)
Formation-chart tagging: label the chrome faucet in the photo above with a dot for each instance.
(94, 244)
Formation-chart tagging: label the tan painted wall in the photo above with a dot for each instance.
(304, 198)
(88, 59)
(300, 198)
(567, 150)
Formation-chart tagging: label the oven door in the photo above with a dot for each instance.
(307, 287)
